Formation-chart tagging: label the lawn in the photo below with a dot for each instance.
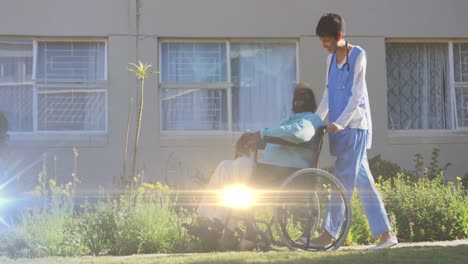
(433, 254)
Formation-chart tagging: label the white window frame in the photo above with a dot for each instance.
(217, 86)
(452, 83)
(102, 87)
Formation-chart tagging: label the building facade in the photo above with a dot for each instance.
(225, 66)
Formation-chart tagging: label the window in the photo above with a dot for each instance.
(427, 85)
(53, 86)
(460, 60)
(16, 86)
(226, 85)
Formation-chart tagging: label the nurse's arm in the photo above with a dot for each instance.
(322, 109)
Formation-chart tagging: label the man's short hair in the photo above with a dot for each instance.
(307, 94)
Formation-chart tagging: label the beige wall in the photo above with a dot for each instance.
(182, 157)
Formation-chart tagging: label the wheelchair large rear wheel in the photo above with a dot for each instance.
(302, 205)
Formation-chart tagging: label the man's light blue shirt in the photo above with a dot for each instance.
(297, 129)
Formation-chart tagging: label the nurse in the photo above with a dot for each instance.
(346, 102)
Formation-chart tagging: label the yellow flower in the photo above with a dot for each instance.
(52, 182)
(377, 185)
(159, 186)
(135, 179)
(141, 190)
(149, 186)
(459, 178)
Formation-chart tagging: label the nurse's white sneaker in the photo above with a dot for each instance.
(386, 244)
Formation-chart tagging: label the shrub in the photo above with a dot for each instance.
(43, 228)
(427, 210)
(359, 233)
(143, 220)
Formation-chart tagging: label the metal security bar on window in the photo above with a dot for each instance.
(65, 61)
(460, 61)
(71, 110)
(418, 86)
(194, 109)
(193, 62)
(71, 86)
(16, 103)
(460, 68)
(16, 90)
(462, 106)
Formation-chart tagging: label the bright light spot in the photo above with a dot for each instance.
(3, 202)
(237, 196)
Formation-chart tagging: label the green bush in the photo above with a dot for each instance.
(43, 228)
(98, 225)
(359, 233)
(421, 205)
(383, 169)
(419, 210)
(142, 221)
(44, 231)
(427, 210)
(463, 181)
(147, 218)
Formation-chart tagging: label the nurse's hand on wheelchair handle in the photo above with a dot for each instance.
(333, 128)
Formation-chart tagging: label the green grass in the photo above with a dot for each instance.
(431, 255)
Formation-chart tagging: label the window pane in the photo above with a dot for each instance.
(71, 61)
(194, 109)
(184, 62)
(16, 93)
(418, 86)
(264, 76)
(460, 61)
(71, 110)
(461, 94)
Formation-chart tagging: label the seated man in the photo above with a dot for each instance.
(298, 128)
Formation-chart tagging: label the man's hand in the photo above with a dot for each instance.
(332, 128)
(246, 142)
(253, 139)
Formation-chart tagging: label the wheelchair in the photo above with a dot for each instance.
(297, 200)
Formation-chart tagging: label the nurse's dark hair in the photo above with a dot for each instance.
(330, 25)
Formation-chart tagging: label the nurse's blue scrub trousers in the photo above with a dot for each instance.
(352, 169)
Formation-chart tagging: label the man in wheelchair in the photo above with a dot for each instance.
(215, 224)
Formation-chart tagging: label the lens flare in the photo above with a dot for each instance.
(237, 196)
